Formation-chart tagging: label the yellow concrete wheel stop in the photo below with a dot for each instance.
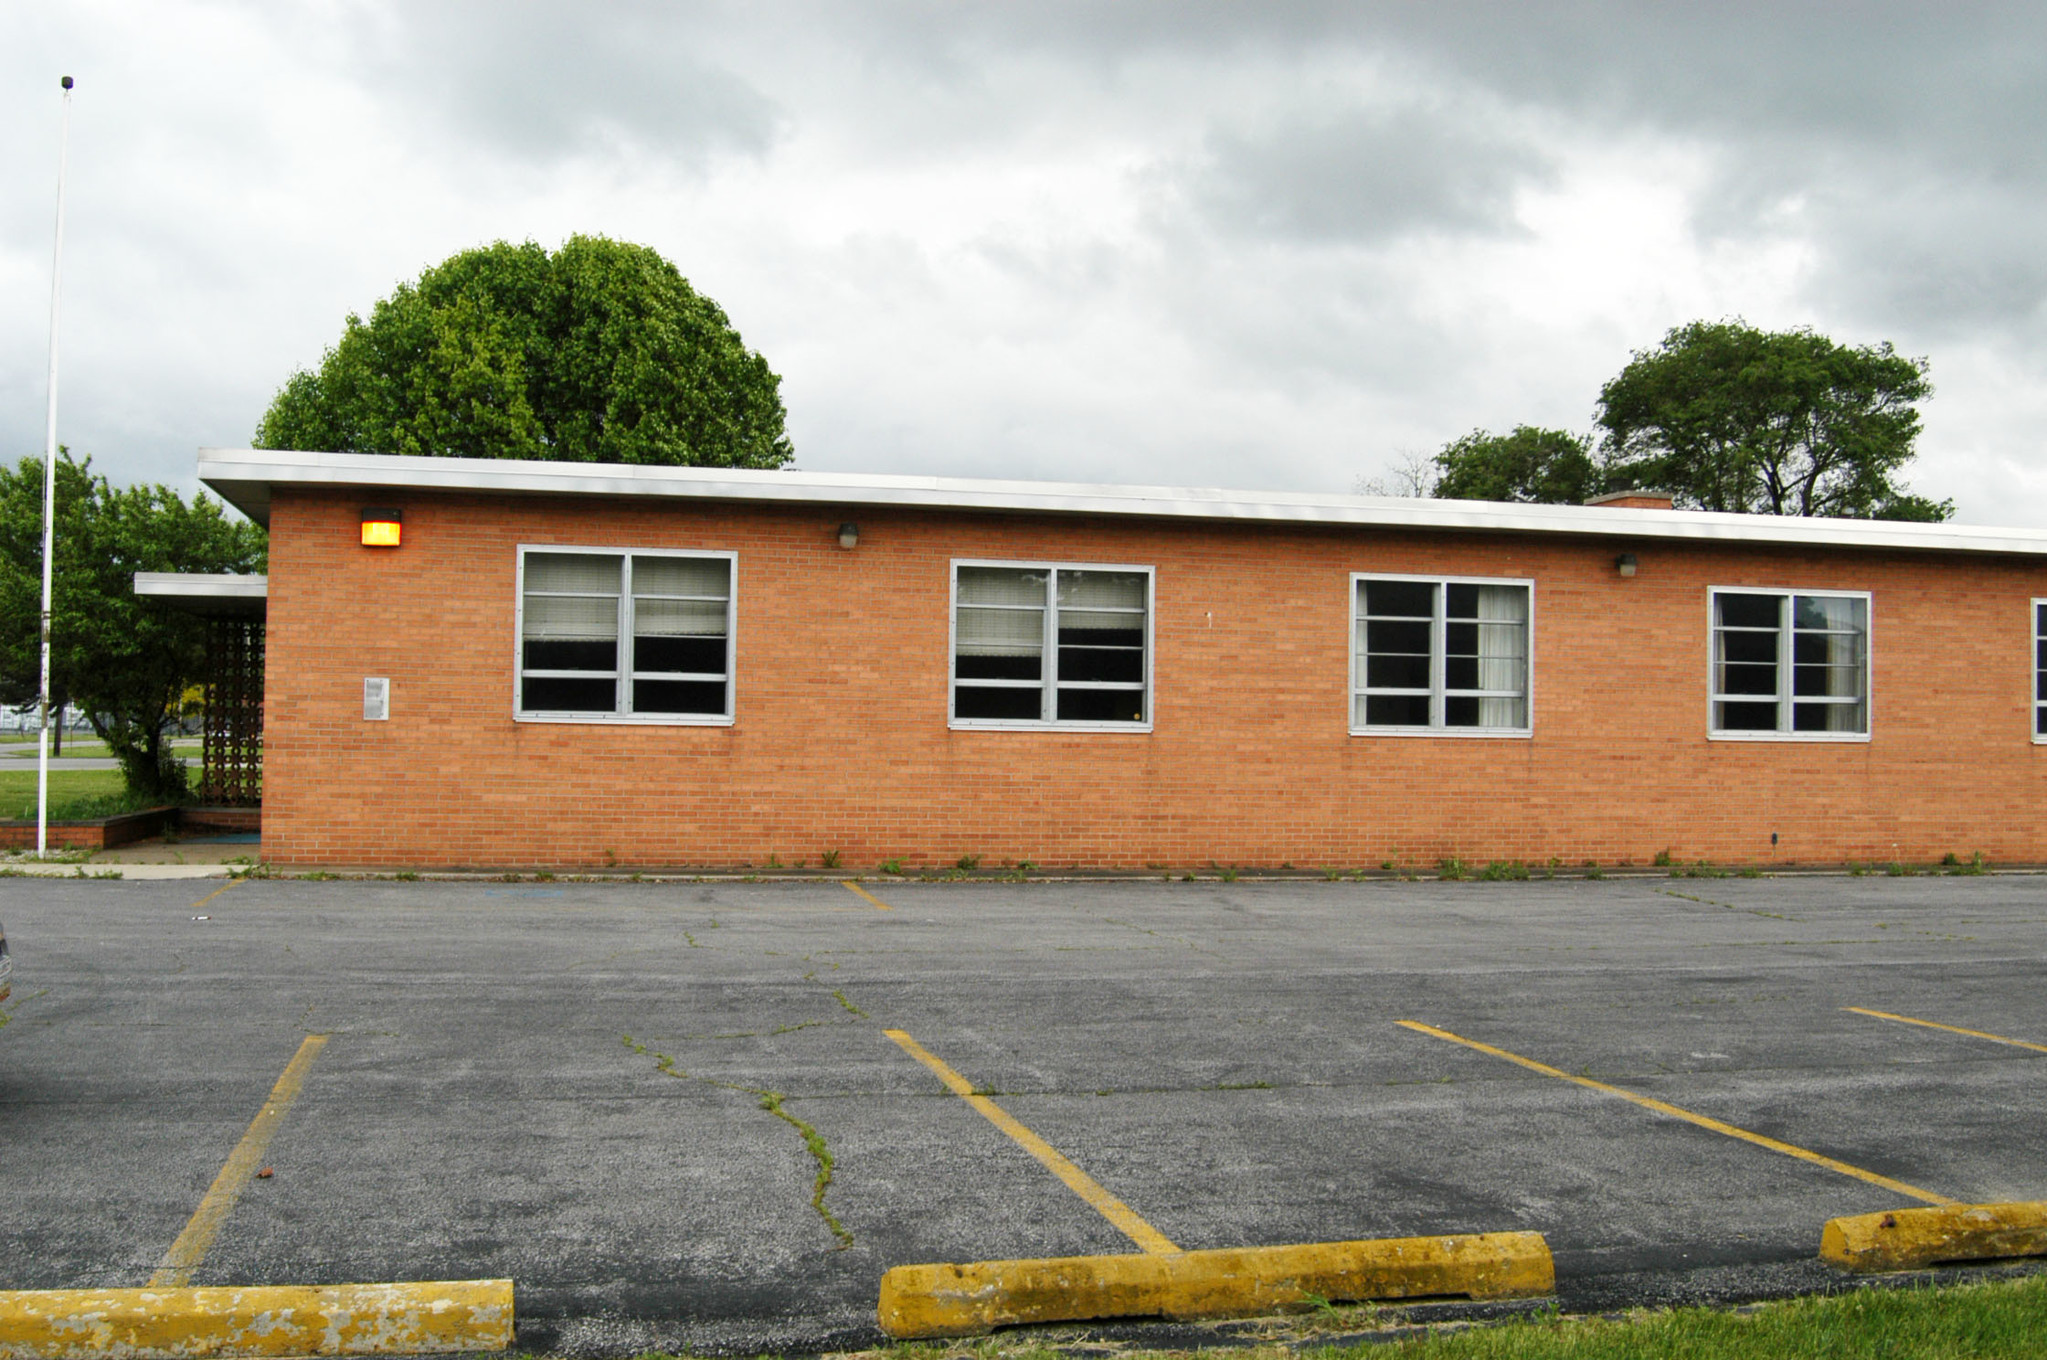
(1907, 1239)
(970, 1300)
(266, 1320)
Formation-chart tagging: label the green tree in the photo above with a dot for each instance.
(1531, 465)
(1727, 417)
(125, 661)
(599, 352)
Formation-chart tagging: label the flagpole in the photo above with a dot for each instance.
(50, 490)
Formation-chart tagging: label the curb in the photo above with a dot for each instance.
(268, 1320)
(1907, 1239)
(970, 1300)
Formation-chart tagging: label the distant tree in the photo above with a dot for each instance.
(1728, 417)
(125, 661)
(599, 352)
(1410, 475)
(1529, 464)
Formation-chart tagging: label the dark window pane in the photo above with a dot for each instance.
(2040, 721)
(1416, 599)
(1397, 710)
(1749, 680)
(1461, 602)
(698, 654)
(969, 702)
(678, 696)
(1826, 649)
(1101, 637)
(2040, 654)
(1000, 667)
(1397, 672)
(1101, 705)
(1101, 663)
(1824, 718)
(572, 655)
(1460, 639)
(1748, 611)
(1817, 681)
(541, 694)
(1749, 647)
(2040, 686)
(1460, 712)
(1397, 637)
(1748, 717)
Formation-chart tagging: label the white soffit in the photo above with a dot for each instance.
(245, 477)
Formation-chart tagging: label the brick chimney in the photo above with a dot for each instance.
(1635, 499)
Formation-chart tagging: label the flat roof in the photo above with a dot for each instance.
(214, 595)
(245, 478)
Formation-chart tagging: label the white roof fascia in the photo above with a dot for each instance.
(202, 585)
(244, 478)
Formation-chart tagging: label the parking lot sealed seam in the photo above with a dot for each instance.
(192, 1244)
(1951, 1029)
(1678, 1112)
(426, 1317)
(1126, 1220)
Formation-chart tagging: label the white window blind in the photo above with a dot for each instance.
(625, 635)
(1050, 645)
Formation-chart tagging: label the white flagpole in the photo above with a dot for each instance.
(50, 490)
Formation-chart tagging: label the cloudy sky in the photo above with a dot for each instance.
(1271, 245)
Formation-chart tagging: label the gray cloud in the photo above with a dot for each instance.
(1363, 176)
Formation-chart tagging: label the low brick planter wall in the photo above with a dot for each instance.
(99, 833)
(218, 821)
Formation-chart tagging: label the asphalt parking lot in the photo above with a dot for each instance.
(616, 1094)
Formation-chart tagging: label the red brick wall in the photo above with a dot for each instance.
(841, 740)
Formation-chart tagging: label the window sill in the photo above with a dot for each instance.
(627, 719)
(1459, 733)
(993, 725)
(1817, 738)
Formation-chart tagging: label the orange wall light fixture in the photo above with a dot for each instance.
(380, 527)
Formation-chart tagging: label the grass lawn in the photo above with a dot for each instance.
(2003, 1319)
(73, 794)
(12, 749)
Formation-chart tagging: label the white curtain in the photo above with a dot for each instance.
(1001, 612)
(1503, 655)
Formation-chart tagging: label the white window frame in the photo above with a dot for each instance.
(1785, 649)
(624, 677)
(2038, 705)
(1049, 683)
(1438, 644)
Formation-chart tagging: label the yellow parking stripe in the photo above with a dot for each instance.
(879, 905)
(1703, 1121)
(1125, 1218)
(190, 1249)
(215, 893)
(1951, 1029)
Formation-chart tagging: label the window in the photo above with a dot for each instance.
(1037, 645)
(1790, 665)
(2040, 670)
(1439, 656)
(625, 636)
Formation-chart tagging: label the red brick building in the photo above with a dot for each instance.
(571, 665)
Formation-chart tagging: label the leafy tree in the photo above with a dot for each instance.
(1531, 465)
(599, 352)
(1728, 417)
(126, 661)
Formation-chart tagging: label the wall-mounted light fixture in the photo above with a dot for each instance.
(380, 527)
(1625, 564)
(849, 535)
